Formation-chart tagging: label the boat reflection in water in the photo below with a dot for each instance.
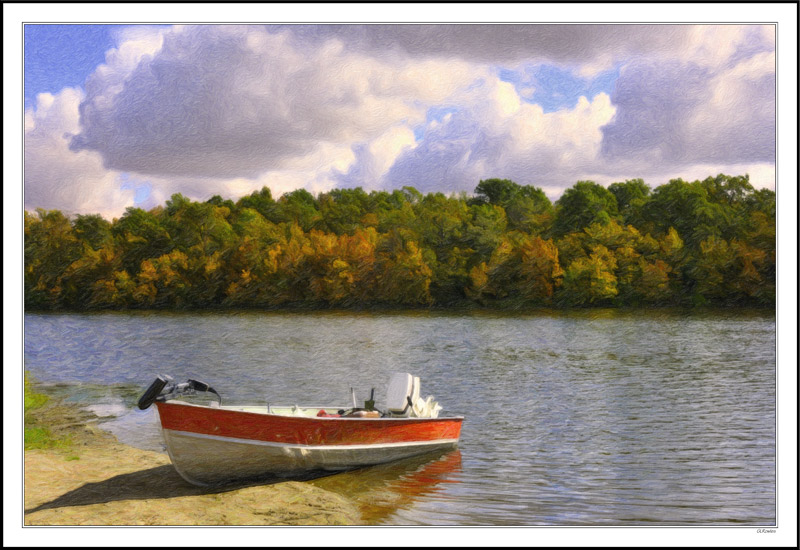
(383, 490)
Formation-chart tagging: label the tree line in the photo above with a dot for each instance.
(709, 242)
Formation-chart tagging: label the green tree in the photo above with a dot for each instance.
(115, 292)
(709, 271)
(163, 282)
(250, 224)
(288, 272)
(590, 281)
(687, 208)
(403, 277)
(78, 281)
(761, 200)
(263, 203)
(218, 201)
(299, 207)
(631, 197)
(524, 270)
(342, 210)
(496, 191)
(629, 191)
(199, 224)
(141, 235)
(730, 190)
(484, 230)
(652, 285)
(342, 267)
(203, 232)
(92, 229)
(582, 205)
(527, 208)
(704, 242)
(50, 248)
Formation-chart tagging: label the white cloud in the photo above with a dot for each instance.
(239, 101)
(57, 178)
(738, 120)
(386, 148)
(707, 104)
(715, 45)
(497, 135)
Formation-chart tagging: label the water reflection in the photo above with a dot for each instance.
(381, 491)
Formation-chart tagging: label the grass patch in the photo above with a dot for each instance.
(33, 400)
(37, 436)
(51, 423)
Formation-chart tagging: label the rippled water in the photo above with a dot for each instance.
(599, 417)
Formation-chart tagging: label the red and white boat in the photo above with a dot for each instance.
(210, 444)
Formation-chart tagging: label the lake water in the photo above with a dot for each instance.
(599, 417)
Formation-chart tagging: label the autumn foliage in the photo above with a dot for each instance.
(709, 242)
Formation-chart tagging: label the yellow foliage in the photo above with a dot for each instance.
(479, 277)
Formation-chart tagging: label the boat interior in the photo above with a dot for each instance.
(402, 401)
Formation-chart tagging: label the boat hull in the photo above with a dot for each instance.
(211, 446)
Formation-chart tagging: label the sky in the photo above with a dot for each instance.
(127, 115)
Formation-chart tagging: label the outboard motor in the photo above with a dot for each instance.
(399, 394)
(163, 388)
(151, 393)
(403, 400)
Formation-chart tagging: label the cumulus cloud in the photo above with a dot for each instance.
(498, 135)
(371, 161)
(738, 120)
(654, 101)
(717, 105)
(55, 176)
(223, 101)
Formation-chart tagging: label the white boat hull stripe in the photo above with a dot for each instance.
(315, 447)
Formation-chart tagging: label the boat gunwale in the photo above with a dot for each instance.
(228, 408)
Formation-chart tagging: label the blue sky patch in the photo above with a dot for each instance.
(555, 88)
(57, 56)
(142, 189)
(434, 114)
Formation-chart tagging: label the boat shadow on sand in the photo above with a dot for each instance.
(413, 476)
(160, 482)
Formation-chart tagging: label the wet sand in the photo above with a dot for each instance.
(95, 480)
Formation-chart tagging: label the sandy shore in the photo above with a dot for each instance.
(95, 480)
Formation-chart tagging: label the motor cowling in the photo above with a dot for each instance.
(151, 393)
(163, 389)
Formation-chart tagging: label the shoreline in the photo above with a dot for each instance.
(94, 480)
(459, 308)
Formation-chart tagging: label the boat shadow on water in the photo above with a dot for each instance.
(163, 482)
